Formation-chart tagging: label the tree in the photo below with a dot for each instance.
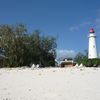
(83, 58)
(13, 42)
(44, 49)
(23, 49)
(79, 58)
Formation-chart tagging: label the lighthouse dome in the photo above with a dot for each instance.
(92, 30)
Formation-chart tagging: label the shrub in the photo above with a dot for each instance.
(92, 62)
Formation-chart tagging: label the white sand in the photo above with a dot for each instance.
(50, 84)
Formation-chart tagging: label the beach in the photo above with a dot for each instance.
(50, 84)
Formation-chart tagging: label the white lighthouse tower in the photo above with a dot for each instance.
(92, 50)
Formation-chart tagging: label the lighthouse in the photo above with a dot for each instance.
(92, 50)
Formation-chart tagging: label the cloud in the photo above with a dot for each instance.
(73, 28)
(65, 54)
(84, 24)
(81, 25)
(97, 21)
(97, 29)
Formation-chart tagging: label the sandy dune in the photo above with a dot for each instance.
(50, 84)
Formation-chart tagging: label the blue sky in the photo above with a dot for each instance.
(67, 20)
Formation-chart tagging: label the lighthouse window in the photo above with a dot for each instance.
(93, 46)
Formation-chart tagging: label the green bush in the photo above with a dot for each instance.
(83, 58)
(92, 62)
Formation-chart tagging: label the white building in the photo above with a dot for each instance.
(67, 62)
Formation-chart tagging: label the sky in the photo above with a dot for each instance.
(69, 21)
